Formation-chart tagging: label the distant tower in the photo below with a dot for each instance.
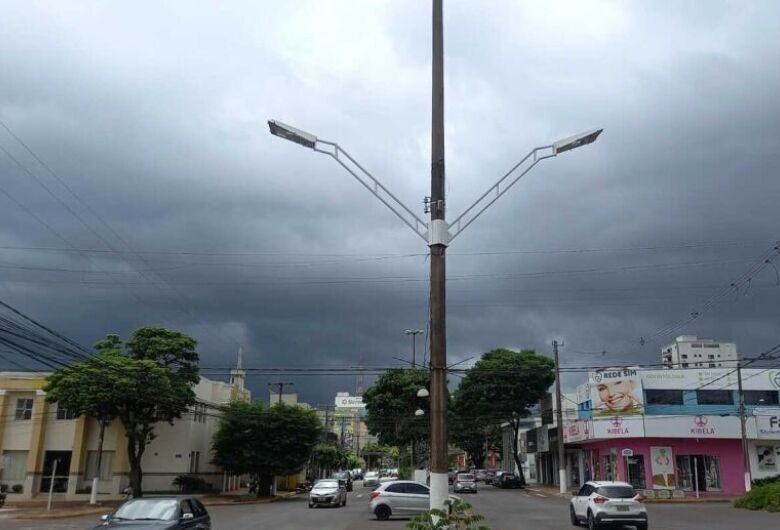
(237, 374)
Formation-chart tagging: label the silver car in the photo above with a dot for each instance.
(328, 492)
(403, 498)
(371, 479)
(464, 482)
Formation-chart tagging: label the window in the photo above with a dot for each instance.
(712, 365)
(685, 365)
(64, 414)
(684, 356)
(14, 466)
(194, 461)
(715, 397)
(585, 491)
(761, 397)
(698, 472)
(199, 413)
(710, 356)
(696, 345)
(106, 465)
(24, 409)
(395, 488)
(664, 397)
(616, 492)
(186, 507)
(416, 489)
(712, 345)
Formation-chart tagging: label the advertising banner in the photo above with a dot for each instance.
(768, 424)
(350, 402)
(578, 431)
(663, 468)
(700, 426)
(542, 439)
(619, 427)
(768, 456)
(616, 392)
(710, 379)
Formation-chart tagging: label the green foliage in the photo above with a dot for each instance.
(501, 387)
(767, 480)
(457, 516)
(764, 497)
(327, 457)
(191, 484)
(17, 488)
(265, 441)
(146, 382)
(354, 461)
(391, 403)
(472, 434)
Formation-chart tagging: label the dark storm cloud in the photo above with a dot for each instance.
(156, 115)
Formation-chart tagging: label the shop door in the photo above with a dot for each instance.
(635, 465)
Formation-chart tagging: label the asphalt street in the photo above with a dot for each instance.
(503, 510)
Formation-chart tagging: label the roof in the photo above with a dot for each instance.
(598, 483)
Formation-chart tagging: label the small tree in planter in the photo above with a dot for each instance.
(17, 488)
(457, 516)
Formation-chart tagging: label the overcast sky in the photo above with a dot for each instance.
(188, 213)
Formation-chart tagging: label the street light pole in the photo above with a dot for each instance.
(414, 333)
(438, 245)
(561, 452)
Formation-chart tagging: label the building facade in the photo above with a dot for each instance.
(688, 351)
(41, 442)
(675, 431)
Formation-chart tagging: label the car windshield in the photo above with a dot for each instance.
(371, 474)
(616, 492)
(465, 478)
(327, 484)
(139, 509)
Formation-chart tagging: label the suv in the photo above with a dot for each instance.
(507, 480)
(605, 503)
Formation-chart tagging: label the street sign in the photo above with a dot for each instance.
(627, 452)
(349, 402)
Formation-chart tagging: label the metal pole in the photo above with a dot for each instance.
(414, 350)
(696, 475)
(439, 485)
(51, 484)
(742, 420)
(561, 451)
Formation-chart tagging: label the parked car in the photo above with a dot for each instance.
(357, 474)
(404, 498)
(371, 479)
(608, 503)
(158, 513)
(480, 474)
(464, 482)
(346, 477)
(389, 476)
(507, 480)
(328, 492)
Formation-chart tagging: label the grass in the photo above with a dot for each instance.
(764, 497)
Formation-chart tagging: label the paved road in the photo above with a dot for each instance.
(504, 510)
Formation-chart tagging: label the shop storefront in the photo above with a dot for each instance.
(703, 466)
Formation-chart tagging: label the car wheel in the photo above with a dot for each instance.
(344, 502)
(573, 516)
(592, 525)
(311, 505)
(382, 512)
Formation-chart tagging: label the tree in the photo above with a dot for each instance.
(147, 381)
(502, 386)
(473, 434)
(265, 441)
(327, 457)
(391, 403)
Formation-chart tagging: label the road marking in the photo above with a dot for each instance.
(359, 496)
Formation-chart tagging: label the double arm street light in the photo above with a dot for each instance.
(414, 333)
(437, 234)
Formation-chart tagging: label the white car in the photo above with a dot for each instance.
(404, 498)
(328, 492)
(371, 479)
(607, 503)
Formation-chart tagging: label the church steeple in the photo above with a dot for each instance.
(237, 374)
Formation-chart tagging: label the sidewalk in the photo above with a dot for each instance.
(65, 509)
(552, 491)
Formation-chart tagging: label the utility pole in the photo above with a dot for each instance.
(438, 245)
(414, 333)
(281, 386)
(559, 419)
(742, 420)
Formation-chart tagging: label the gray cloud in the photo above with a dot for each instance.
(155, 116)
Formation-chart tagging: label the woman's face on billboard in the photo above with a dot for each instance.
(617, 395)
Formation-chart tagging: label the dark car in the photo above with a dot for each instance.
(507, 480)
(346, 476)
(159, 513)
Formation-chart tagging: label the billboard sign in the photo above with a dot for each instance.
(698, 426)
(616, 392)
(619, 427)
(768, 424)
(350, 402)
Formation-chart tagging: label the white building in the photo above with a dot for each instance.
(35, 434)
(689, 351)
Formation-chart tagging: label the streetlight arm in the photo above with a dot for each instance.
(376, 188)
(496, 190)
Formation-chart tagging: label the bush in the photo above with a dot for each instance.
(765, 497)
(3, 488)
(458, 516)
(767, 480)
(17, 488)
(191, 484)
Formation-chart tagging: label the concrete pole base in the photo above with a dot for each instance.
(439, 490)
